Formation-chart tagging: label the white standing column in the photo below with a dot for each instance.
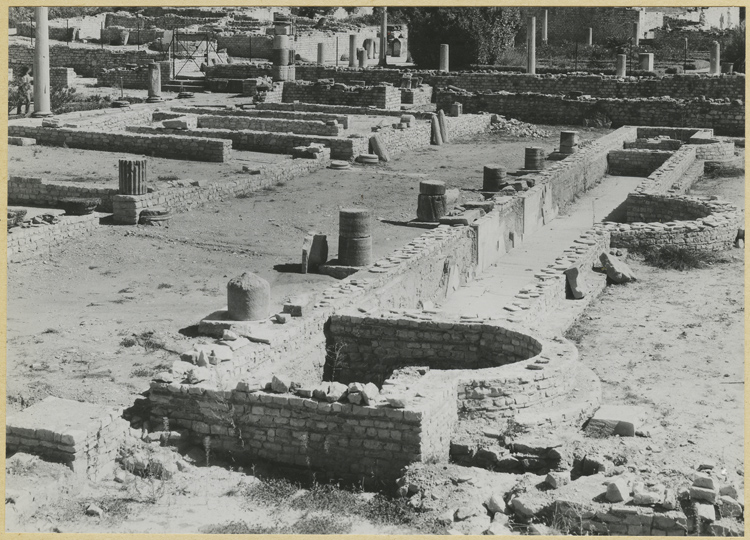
(590, 37)
(444, 56)
(383, 37)
(545, 15)
(41, 64)
(636, 34)
(714, 59)
(321, 53)
(621, 66)
(531, 37)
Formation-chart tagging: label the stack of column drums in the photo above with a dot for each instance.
(568, 142)
(282, 54)
(355, 237)
(432, 203)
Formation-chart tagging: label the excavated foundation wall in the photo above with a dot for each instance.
(381, 97)
(32, 191)
(299, 127)
(136, 78)
(24, 244)
(635, 162)
(258, 113)
(676, 86)
(724, 118)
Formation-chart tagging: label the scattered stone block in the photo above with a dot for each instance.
(703, 494)
(281, 385)
(617, 271)
(705, 512)
(465, 512)
(644, 495)
(297, 306)
(617, 490)
(707, 465)
(728, 506)
(184, 122)
(704, 480)
(370, 394)
(496, 504)
(526, 506)
(621, 420)
(314, 252)
(557, 479)
(729, 490)
(572, 275)
(336, 391)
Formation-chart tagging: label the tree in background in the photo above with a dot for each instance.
(734, 47)
(474, 35)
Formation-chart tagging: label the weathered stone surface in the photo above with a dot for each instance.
(618, 490)
(281, 385)
(621, 420)
(573, 277)
(729, 507)
(703, 494)
(495, 504)
(370, 394)
(186, 122)
(704, 480)
(644, 495)
(706, 512)
(314, 252)
(527, 506)
(557, 479)
(617, 271)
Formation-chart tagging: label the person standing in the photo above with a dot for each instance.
(25, 89)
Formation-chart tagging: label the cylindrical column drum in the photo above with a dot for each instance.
(321, 53)
(248, 298)
(355, 240)
(494, 177)
(444, 56)
(621, 65)
(534, 158)
(568, 142)
(132, 177)
(431, 203)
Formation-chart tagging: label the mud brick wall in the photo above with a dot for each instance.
(169, 146)
(263, 141)
(653, 222)
(61, 77)
(179, 199)
(136, 78)
(381, 97)
(724, 118)
(339, 440)
(86, 60)
(24, 244)
(30, 191)
(635, 162)
(300, 127)
(675, 175)
(259, 113)
(373, 347)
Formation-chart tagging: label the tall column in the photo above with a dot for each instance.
(361, 57)
(622, 62)
(590, 36)
(714, 67)
(636, 33)
(352, 50)
(41, 64)
(444, 64)
(545, 15)
(531, 38)
(154, 83)
(321, 53)
(383, 37)
(646, 61)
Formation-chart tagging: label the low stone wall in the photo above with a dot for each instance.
(381, 97)
(56, 33)
(24, 244)
(142, 36)
(372, 347)
(635, 162)
(675, 175)
(61, 77)
(200, 192)
(656, 220)
(724, 118)
(676, 86)
(299, 127)
(330, 109)
(669, 145)
(416, 96)
(243, 46)
(168, 146)
(262, 141)
(342, 119)
(167, 22)
(135, 78)
(30, 191)
(108, 119)
(622, 520)
(337, 440)
(713, 150)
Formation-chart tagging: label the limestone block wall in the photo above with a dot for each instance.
(166, 22)
(713, 149)
(31, 191)
(261, 141)
(61, 77)
(169, 146)
(342, 119)
(332, 109)
(142, 36)
(245, 46)
(24, 244)
(635, 162)
(87, 60)
(652, 144)
(724, 118)
(656, 220)
(416, 96)
(371, 348)
(677, 133)
(675, 175)
(381, 97)
(57, 33)
(109, 119)
(300, 127)
(336, 439)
